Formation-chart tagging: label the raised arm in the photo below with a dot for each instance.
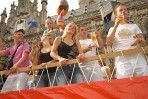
(35, 57)
(111, 34)
(33, 50)
(99, 40)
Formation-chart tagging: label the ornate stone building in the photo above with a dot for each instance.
(18, 18)
(91, 13)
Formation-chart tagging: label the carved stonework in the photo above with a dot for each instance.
(87, 14)
(138, 14)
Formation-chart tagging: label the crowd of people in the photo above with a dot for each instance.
(72, 44)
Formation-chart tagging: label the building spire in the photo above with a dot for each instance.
(43, 12)
(44, 4)
(3, 16)
(13, 3)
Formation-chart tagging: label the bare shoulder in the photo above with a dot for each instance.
(57, 40)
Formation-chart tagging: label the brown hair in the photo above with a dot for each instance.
(82, 26)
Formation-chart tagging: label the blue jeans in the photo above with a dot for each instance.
(45, 81)
(66, 71)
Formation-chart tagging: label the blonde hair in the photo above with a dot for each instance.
(119, 4)
(76, 31)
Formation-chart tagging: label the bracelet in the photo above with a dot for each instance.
(114, 28)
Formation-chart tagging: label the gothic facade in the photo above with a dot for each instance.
(90, 13)
(19, 16)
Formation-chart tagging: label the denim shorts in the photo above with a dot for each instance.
(71, 73)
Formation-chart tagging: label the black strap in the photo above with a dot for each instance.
(11, 59)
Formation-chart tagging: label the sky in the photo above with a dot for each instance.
(51, 7)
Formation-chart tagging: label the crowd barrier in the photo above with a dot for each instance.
(97, 57)
(135, 88)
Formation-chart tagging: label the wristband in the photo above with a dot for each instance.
(114, 28)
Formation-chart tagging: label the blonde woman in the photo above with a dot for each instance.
(67, 47)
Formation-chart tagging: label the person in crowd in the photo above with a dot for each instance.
(3, 62)
(45, 77)
(34, 48)
(49, 25)
(19, 58)
(92, 69)
(67, 47)
(124, 36)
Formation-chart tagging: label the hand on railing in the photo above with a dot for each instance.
(13, 69)
(80, 57)
(63, 62)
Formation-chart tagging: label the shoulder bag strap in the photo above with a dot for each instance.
(14, 52)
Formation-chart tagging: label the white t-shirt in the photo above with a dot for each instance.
(123, 40)
(84, 44)
(124, 36)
